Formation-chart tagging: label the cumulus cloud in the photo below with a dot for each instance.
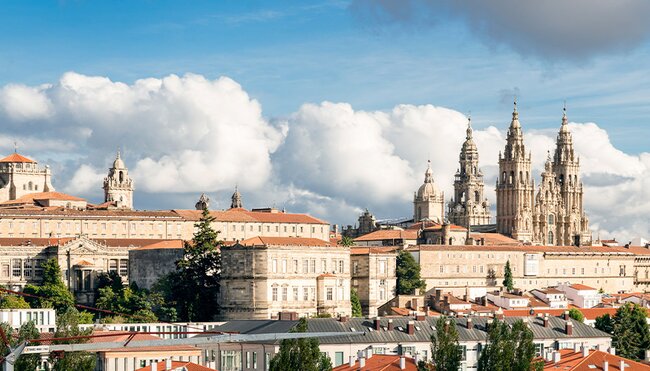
(550, 29)
(183, 135)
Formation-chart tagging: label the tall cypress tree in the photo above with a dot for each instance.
(355, 303)
(507, 277)
(196, 281)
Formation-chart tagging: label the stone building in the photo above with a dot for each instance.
(459, 269)
(20, 175)
(147, 264)
(265, 276)
(373, 276)
(556, 216)
(429, 200)
(469, 205)
(81, 259)
(118, 186)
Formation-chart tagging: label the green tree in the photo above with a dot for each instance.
(576, 314)
(630, 334)
(356, 304)
(605, 323)
(508, 348)
(129, 303)
(347, 241)
(13, 302)
(196, 282)
(67, 325)
(26, 362)
(52, 292)
(507, 277)
(300, 354)
(408, 275)
(446, 353)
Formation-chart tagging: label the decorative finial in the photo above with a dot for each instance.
(15, 146)
(515, 102)
(118, 151)
(469, 127)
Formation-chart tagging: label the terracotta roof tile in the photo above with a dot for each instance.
(389, 234)
(123, 337)
(32, 198)
(243, 215)
(574, 361)
(495, 239)
(379, 362)
(15, 157)
(372, 250)
(284, 241)
(165, 244)
(178, 365)
(579, 286)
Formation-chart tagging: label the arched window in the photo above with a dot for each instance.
(547, 195)
(512, 177)
(550, 238)
(121, 176)
(451, 240)
(561, 178)
(551, 219)
(503, 177)
(521, 177)
(477, 197)
(30, 186)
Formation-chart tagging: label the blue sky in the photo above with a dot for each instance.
(80, 78)
(286, 53)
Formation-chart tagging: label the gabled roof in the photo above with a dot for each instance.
(243, 215)
(165, 244)
(15, 157)
(33, 198)
(574, 361)
(177, 365)
(283, 241)
(389, 234)
(380, 362)
(579, 286)
(123, 337)
(495, 239)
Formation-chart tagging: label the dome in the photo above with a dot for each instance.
(118, 163)
(428, 189)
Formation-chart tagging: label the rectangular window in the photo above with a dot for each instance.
(329, 293)
(305, 294)
(28, 268)
(255, 360)
(296, 295)
(248, 359)
(284, 265)
(382, 267)
(112, 265)
(355, 267)
(313, 266)
(274, 294)
(277, 228)
(285, 293)
(295, 266)
(323, 265)
(16, 267)
(274, 266)
(312, 293)
(341, 266)
(338, 359)
(305, 266)
(124, 267)
(285, 229)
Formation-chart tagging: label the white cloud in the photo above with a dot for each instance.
(186, 135)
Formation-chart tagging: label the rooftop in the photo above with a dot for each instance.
(389, 234)
(574, 361)
(283, 241)
(17, 158)
(380, 362)
(177, 366)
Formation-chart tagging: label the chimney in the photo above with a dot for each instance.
(568, 327)
(154, 366)
(343, 318)
(612, 351)
(585, 351)
(566, 315)
(390, 325)
(576, 347)
(402, 363)
(369, 352)
(410, 328)
(362, 363)
(168, 364)
(470, 324)
(621, 365)
(546, 321)
(605, 365)
(377, 323)
(647, 355)
(548, 356)
(419, 316)
(351, 362)
(556, 357)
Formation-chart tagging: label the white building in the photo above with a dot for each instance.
(508, 301)
(551, 296)
(44, 319)
(581, 296)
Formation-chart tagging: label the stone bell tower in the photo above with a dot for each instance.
(118, 186)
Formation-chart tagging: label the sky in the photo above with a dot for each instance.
(325, 107)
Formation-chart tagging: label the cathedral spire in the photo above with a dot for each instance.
(236, 200)
(469, 128)
(428, 174)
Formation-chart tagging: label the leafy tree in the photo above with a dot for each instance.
(53, 292)
(129, 303)
(195, 284)
(67, 325)
(356, 304)
(347, 241)
(26, 362)
(445, 350)
(576, 314)
(605, 323)
(300, 354)
(13, 302)
(408, 275)
(508, 348)
(630, 331)
(507, 277)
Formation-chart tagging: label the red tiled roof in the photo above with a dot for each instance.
(178, 365)
(372, 250)
(15, 157)
(539, 249)
(31, 198)
(379, 362)
(574, 361)
(165, 244)
(243, 215)
(453, 227)
(283, 241)
(579, 286)
(495, 239)
(84, 263)
(589, 313)
(123, 337)
(389, 234)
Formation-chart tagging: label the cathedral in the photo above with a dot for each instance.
(555, 214)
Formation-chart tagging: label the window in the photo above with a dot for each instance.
(28, 268)
(329, 293)
(295, 266)
(313, 266)
(254, 360)
(38, 270)
(382, 266)
(305, 294)
(274, 266)
(550, 238)
(355, 267)
(338, 359)
(274, 293)
(124, 267)
(341, 266)
(230, 360)
(296, 296)
(284, 265)
(305, 266)
(285, 293)
(248, 359)
(551, 219)
(112, 265)
(16, 267)
(323, 265)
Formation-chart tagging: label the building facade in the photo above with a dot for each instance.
(20, 175)
(118, 186)
(373, 276)
(469, 205)
(429, 200)
(264, 276)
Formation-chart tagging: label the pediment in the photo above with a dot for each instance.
(83, 245)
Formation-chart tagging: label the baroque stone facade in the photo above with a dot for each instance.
(373, 276)
(469, 205)
(20, 176)
(429, 200)
(556, 215)
(118, 186)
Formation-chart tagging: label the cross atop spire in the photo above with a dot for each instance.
(469, 128)
(15, 146)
